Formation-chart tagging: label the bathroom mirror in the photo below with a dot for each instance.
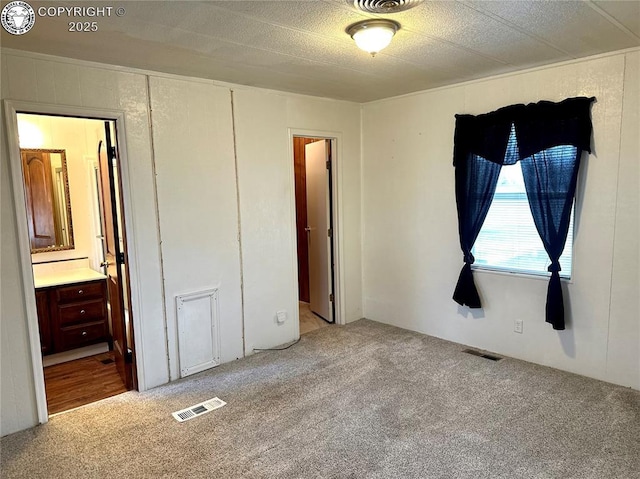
(46, 186)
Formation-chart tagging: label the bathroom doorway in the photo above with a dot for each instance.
(315, 232)
(74, 214)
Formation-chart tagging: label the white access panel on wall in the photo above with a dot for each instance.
(198, 331)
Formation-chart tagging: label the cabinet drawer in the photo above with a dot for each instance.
(82, 312)
(82, 334)
(80, 292)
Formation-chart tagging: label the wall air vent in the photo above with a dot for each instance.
(198, 409)
(384, 6)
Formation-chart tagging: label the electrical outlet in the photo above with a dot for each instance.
(517, 326)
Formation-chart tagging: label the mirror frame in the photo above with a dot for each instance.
(65, 177)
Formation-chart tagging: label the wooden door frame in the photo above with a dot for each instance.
(11, 110)
(338, 225)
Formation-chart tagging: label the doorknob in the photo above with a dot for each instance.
(105, 263)
(307, 229)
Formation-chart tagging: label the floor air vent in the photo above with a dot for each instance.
(198, 409)
(480, 354)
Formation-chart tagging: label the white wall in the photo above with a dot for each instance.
(411, 252)
(184, 208)
(193, 145)
(266, 186)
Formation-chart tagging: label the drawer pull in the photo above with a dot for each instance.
(84, 333)
(82, 311)
(80, 291)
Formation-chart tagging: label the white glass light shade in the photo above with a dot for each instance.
(373, 35)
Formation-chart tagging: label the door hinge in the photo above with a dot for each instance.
(331, 298)
(328, 164)
(121, 258)
(113, 152)
(128, 357)
(330, 232)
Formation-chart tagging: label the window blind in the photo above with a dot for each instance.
(508, 240)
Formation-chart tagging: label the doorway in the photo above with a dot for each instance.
(77, 243)
(313, 163)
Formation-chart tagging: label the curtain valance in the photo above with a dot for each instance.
(538, 126)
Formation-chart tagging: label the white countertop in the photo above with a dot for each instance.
(66, 277)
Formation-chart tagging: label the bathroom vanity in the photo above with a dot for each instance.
(72, 309)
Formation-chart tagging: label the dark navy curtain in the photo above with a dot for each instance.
(550, 178)
(476, 181)
(543, 130)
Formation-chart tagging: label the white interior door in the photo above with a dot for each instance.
(318, 224)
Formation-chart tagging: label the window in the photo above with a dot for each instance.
(508, 240)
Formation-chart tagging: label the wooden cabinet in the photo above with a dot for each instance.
(72, 315)
(36, 167)
(44, 320)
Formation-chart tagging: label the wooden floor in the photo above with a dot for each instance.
(83, 381)
(308, 320)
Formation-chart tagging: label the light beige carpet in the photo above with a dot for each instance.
(361, 401)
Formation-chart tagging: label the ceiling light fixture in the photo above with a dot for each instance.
(373, 35)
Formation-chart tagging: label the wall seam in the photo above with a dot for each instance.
(615, 216)
(237, 177)
(362, 219)
(157, 208)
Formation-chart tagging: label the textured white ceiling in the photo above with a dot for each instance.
(302, 47)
